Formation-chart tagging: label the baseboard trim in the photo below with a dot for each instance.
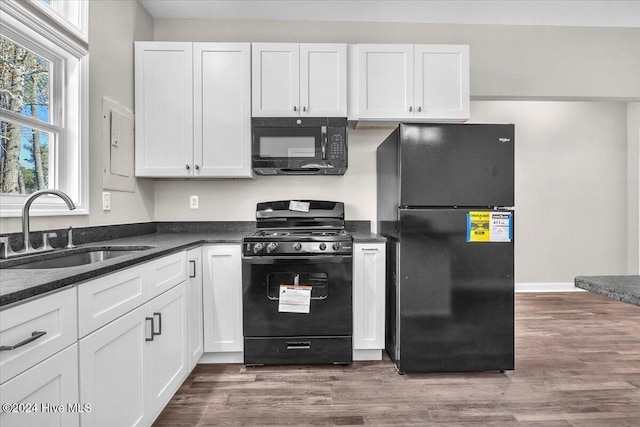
(547, 287)
(366, 354)
(230, 357)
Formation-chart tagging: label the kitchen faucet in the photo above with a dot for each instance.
(7, 251)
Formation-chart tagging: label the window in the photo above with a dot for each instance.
(43, 112)
(71, 14)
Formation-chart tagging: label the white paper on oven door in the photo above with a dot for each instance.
(294, 299)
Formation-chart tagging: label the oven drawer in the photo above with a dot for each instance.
(298, 350)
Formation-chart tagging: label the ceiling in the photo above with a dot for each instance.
(589, 13)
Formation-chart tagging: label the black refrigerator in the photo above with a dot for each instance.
(445, 205)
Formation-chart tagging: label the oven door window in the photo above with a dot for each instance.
(287, 143)
(319, 283)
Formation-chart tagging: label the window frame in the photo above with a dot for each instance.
(69, 105)
(77, 26)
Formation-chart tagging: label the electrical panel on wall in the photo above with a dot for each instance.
(117, 142)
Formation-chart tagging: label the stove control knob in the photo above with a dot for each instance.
(336, 246)
(323, 246)
(271, 247)
(297, 246)
(257, 247)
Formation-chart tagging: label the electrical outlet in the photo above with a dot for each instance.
(106, 201)
(193, 202)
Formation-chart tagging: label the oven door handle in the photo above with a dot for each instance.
(321, 259)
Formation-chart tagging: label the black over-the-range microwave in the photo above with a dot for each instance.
(299, 145)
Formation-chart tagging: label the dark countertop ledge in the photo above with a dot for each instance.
(19, 285)
(622, 288)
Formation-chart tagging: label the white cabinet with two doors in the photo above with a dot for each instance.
(409, 82)
(133, 347)
(193, 109)
(306, 80)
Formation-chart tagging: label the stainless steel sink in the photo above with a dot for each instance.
(72, 258)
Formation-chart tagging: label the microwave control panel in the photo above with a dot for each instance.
(336, 144)
(336, 147)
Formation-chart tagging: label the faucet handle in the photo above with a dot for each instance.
(6, 250)
(70, 244)
(45, 241)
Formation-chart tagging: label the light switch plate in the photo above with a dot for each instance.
(106, 201)
(193, 202)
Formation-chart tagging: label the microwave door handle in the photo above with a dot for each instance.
(324, 143)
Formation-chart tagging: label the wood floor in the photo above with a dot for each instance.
(577, 364)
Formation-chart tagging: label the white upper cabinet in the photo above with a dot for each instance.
(441, 82)
(385, 80)
(164, 109)
(291, 80)
(193, 114)
(409, 82)
(275, 78)
(222, 109)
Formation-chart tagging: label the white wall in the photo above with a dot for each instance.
(506, 60)
(571, 180)
(113, 26)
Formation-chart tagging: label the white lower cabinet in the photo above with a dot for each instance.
(194, 305)
(114, 375)
(44, 395)
(222, 303)
(130, 368)
(368, 300)
(168, 352)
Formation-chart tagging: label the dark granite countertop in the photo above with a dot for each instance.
(367, 237)
(623, 288)
(19, 284)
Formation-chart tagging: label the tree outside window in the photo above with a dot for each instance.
(24, 90)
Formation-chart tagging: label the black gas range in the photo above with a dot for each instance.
(297, 285)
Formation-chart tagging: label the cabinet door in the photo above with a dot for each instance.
(168, 352)
(164, 109)
(222, 109)
(323, 80)
(222, 298)
(194, 306)
(50, 385)
(368, 296)
(275, 79)
(385, 81)
(441, 81)
(114, 375)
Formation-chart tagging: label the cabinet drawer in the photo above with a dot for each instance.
(45, 326)
(103, 300)
(167, 272)
(50, 384)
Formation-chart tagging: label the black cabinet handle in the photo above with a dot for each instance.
(159, 324)
(152, 328)
(34, 336)
(193, 268)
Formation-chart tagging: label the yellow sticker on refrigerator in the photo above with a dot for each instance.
(485, 226)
